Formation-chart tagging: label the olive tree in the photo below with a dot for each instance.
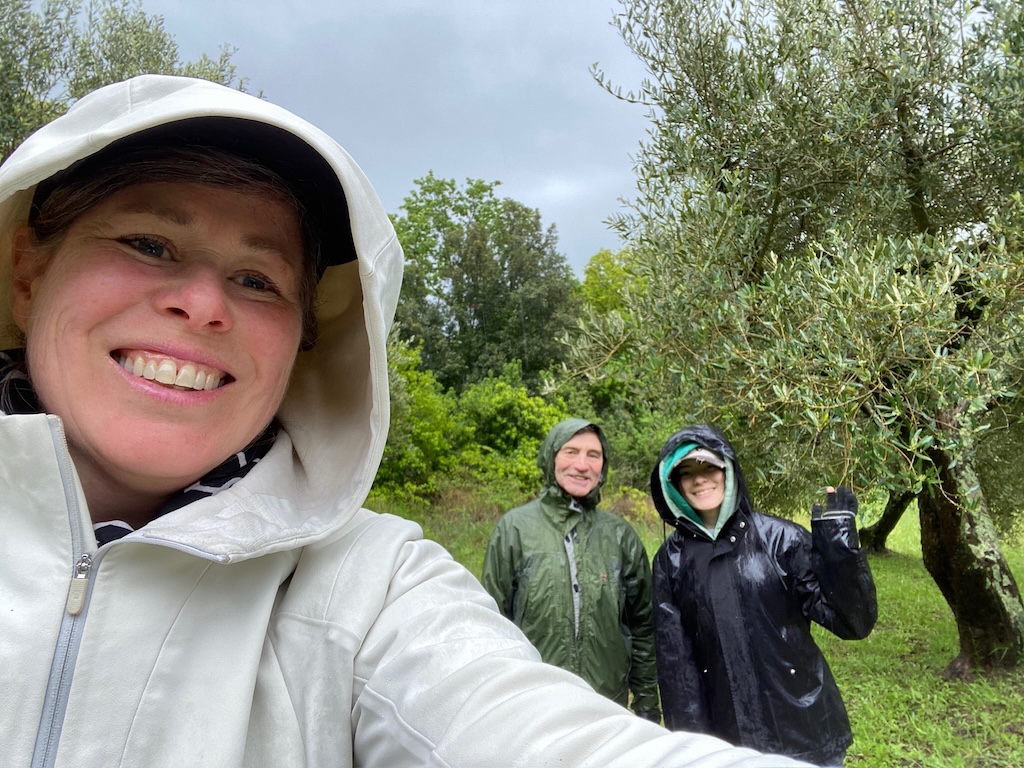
(827, 248)
(54, 52)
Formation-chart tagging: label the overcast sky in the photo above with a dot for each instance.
(498, 90)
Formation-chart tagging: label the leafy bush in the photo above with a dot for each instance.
(423, 428)
(503, 426)
(487, 436)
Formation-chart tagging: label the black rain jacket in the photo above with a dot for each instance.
(733, 620)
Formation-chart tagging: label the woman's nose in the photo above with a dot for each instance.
(198, 295)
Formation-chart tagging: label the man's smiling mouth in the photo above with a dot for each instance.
(163, 370)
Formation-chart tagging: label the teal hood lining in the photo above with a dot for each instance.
(678, 505)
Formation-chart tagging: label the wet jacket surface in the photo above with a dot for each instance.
(735, 652)
(527, 571)
(276, 622)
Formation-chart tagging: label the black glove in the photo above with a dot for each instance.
(840, 502)
(839, 518)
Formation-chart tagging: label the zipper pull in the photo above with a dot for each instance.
(79, 585)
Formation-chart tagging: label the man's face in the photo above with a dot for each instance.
(578, 464)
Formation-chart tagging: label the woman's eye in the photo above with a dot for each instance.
(148, 246)
(256, 282)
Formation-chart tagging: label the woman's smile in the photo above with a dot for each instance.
(170, 310)
(702, 485)
(169, 372)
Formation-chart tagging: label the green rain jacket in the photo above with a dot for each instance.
(544, 553)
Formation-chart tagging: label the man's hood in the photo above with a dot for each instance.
(556, 437)
(336, 410)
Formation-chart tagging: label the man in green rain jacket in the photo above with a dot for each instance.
(576, 579)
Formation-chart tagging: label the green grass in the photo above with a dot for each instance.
(904, 714)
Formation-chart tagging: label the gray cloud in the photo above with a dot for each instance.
(498, 90)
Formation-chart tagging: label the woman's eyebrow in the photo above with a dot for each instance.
(168, 213)
(182, 218)
(266, 244)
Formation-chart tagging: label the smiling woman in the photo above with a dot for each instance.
(175, 276)
(195, 401)
(735, 592)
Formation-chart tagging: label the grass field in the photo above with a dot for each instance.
(904, 714)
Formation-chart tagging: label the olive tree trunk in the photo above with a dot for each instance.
(960, 548)
(874, 536)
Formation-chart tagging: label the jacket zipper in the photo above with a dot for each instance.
(574, 582)
(79, 585)
(65, 654)
(86, 559)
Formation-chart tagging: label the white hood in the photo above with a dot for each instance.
(336, 411)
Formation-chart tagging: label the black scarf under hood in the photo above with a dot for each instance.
(17, 396)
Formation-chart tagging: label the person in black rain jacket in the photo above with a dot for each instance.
(735, 592)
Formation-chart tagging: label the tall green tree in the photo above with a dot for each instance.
(51, 56)
(829, 246)
(607, 388)
(485, 284)
(605, 280)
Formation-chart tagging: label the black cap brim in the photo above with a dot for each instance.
(307, 173)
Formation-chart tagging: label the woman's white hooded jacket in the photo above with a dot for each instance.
(275, 623)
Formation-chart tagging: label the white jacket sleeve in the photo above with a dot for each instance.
(440, 678)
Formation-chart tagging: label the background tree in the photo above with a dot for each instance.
(485, 284)
(612, 387)
(605, 281)
(828, 250)
(52, 56)
(424, 435)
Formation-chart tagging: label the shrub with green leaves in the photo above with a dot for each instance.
(423, 428)
(488, 436)
(504, 426)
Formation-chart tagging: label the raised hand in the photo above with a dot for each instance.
(839, 502)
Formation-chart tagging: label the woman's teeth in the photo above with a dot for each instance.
(167, 372)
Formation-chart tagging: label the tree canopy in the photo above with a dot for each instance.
(826, 243)
(484, 283)
(52, 56)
